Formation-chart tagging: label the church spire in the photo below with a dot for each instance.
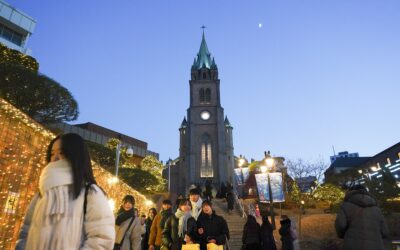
(203, 59)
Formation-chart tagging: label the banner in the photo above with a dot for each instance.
(276, 187)
(239, 176)
(245, 173)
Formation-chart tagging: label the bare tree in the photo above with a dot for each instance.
(300, 169)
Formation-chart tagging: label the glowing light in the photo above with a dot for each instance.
(23, 144)
(241, 162)
(149, 203)
(263, 169)
(260, 25)
(270, 161)
(112, 180)
(111, 203)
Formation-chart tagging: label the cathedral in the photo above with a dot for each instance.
(206, 145)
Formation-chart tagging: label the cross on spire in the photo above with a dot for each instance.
(203, 27)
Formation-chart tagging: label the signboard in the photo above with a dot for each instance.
(239, 176)
(276, 187)
(11, 203)
(245, 173)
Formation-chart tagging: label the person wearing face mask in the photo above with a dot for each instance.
(194, 196)
(127, 226)
(70, 211)
(180, 228)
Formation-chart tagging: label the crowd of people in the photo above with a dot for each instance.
(70, 211)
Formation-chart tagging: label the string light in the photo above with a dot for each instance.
(23, 143)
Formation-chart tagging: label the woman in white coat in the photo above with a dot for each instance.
(127, 226)
(70, 211)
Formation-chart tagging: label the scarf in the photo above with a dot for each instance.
(124, 215)
(165, 214)
(50, 216)
(196, 208)
(54, 190)
(182, 217)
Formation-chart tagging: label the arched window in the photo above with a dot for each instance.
(208, 95)
(206, 168)
(201, 95)
(204, 75)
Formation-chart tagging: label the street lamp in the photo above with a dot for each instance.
(169, 174)
(269, 167)
(129, 153)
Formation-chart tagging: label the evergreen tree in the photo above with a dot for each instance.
(35, 94)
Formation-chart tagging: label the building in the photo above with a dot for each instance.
(343, 163)
(101, 135)
(343, 154)
(306, 183)
(347, 171)
(388, 159)
(15, 28)
(206, 145)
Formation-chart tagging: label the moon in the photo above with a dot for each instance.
(260, 25)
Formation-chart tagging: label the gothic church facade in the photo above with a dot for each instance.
(206, 145)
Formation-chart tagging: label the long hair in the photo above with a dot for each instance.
(74, 149)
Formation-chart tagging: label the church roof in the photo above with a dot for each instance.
(204, 59)
(184, 123)
(227, 123)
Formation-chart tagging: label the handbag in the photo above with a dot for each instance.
(191, 247)
(117, 246)
(213, 246)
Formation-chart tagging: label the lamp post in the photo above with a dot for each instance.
(169, 174)
(300, 212)
(129, 153)
(270, 162)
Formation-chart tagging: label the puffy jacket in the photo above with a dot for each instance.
(360, 222)
(132, 239)
(214, 226)
(156, 229)
(170, 236)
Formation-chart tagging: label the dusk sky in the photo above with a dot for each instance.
(296, 76)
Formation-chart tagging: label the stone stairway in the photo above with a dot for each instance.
(234, 220)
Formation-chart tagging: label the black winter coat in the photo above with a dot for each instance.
(145, 238)
(267, 238)
(251, 235)
(170, 236)
(360, 222)
(286, 237)
(214, 226)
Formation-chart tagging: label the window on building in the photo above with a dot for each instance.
(388, 161)
(206, 168)
(201, 95)
(204, 75)
(398, 155)
(208, 95)
(10, 35)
